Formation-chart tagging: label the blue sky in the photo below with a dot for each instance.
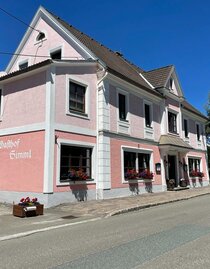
(150, 33)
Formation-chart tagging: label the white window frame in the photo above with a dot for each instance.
(123, 92)
(39, 41)
(150, 104)
(187, 139)
(82, 144)
(177, 121)
(23, 62)
(79, 81)
(136, 150)
(198, 123)
(194, 157)
(53, 50)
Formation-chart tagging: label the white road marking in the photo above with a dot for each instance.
(18, 235)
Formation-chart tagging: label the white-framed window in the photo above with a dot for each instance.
(198, 131)
(135, 160)
(195, 165)
(75, 162)
(123, 105)
(23, 64)
(171, 84)
(148, 112)
(77, 101)
(56, 53)
(173, 122)
(40, 36)
(186, 127)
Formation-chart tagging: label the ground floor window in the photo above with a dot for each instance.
(194, 166)
(137, 165)
(75, 163)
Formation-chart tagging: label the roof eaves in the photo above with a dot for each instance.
(26, 70)
(134, 83)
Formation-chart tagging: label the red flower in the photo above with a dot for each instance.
(22, 200)
(27, 200)
(34, 200)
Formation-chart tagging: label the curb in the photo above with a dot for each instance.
(136, 208)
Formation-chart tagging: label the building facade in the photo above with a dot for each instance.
(78, 121)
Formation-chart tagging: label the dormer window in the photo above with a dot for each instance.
(23, 65)
(56, 55)
(171, 82)
(40, 36)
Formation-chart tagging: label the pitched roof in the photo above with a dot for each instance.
(158, 77)
(192, 109)
(27, 69)
(115, 62)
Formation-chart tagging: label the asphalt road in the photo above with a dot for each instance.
(171, 236)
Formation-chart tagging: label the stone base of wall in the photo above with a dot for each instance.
(57, 198)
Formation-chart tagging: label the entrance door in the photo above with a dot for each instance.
(172, 168)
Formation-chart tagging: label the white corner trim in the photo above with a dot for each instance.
(49, 132)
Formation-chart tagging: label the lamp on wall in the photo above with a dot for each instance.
(158, 168)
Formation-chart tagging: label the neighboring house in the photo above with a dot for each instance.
(80, 121)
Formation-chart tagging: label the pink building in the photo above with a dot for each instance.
(78, 121)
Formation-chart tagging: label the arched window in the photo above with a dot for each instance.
(40, 36)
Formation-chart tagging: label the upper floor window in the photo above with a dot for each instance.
(198, 132)
(186, 133)
(122, 106)
(23, 65)
(147, 113)
(56, 55)
(76, 97)
(172, 123)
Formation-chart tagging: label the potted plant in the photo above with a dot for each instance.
(77, 175)
(131, 174)
(28, 207)
(146, 174)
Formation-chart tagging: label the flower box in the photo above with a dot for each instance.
(28, 211)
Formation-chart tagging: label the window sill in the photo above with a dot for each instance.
(78, 115)
(148, 127)
(68, 182)
(138, 180)
(173, 133)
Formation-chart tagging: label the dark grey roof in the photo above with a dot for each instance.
(189, 107)
(115, 62)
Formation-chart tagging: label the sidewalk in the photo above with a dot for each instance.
(70, 214)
